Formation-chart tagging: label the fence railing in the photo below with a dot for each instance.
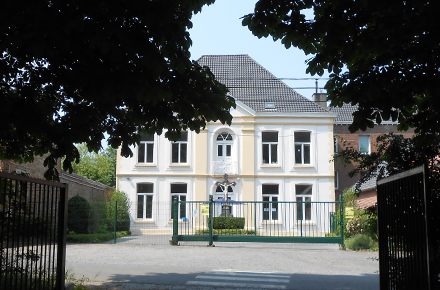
(258, 221)
(32, 233)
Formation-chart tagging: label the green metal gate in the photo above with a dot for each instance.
(258, 221)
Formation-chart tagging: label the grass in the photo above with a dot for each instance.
(361, 242)
(95, 238)
(79, 283)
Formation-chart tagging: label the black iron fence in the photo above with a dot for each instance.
(32, 233)
(407, 244)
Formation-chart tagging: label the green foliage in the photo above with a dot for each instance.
(122, 212)
(361, 242)
(383, 56)
(228, 223)
(100, 167)
(95, 238)
(100, 67)
(363, 223)
(393, 154)
(78, 216)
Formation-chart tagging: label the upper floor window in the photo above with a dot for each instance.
(224, 146)
(270, 202)
(303, 202)
(336, 179)
(145, 149)
(302, 147)
(179, 149)
(335, 141)
(145, 200)
(364, 144)
(270, 147)
(179, 190)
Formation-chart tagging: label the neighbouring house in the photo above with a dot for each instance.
(365, 142)
(78, 185)
(278, 148)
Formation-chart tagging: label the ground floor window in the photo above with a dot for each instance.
(180, 191)
(303, 199)
(270, 202)
(145, 200)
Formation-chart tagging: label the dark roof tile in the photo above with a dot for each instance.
(253, 85)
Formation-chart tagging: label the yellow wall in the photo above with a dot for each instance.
(248, 161)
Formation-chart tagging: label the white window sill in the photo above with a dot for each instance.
(144, 222)
(304, 166)
(305, 223)
(180, 222)
(145, 165)
(179, 165)
(271, 222)
(271, 165)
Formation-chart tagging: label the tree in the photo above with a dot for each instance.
(382, 55)
(74, 70)
(394, 154)
(100, 167)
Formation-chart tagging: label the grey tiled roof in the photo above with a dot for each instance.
(253, 85)
(345, 114)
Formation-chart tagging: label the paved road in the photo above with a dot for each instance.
(227, 266)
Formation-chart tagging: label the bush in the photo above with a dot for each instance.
(363, 223)
(122, 212)
(78, 215)
(228, 223)
(360, 242)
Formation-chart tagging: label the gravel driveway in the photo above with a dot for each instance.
(301, 266)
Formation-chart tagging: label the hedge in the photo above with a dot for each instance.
(228, 223)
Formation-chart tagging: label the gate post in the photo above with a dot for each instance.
(341, 222)
(174, 241)
(210, 221)
(61, 239)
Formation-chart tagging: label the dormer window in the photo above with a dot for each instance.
(269, 105)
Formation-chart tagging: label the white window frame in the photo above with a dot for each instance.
(368, 150)
(226, 144)
(270, 202)
(145, 196)
(301, 198)
(181, 144)
(302, 145)
(146, 146)
(336, 144)
(179, 194)
(271, 146)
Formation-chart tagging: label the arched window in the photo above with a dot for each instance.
(224, 146)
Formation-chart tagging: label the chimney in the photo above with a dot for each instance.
(320, 99)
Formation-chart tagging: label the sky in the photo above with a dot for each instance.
(217, 30)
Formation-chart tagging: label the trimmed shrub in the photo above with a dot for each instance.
(228, 223)
(78, 215)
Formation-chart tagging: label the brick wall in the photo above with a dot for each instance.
(343, 133)
(89, 189)
(78, 185)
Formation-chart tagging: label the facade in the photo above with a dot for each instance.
(364, 141)
(277, 149)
